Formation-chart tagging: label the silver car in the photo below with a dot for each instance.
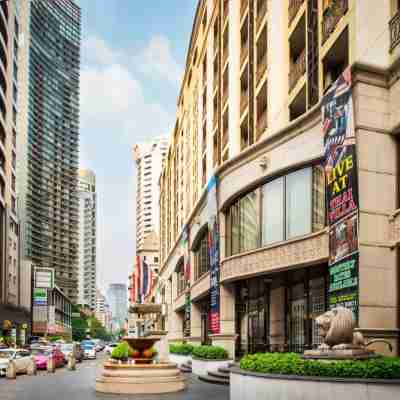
(21, 357)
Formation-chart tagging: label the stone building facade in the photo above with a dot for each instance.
(249, 114)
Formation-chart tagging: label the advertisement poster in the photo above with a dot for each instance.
(213, 249)
(342, 202)
(185, 250)
(188, 305)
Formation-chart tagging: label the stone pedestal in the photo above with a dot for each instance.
(346, 354)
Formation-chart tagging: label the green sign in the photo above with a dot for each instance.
(40, 296)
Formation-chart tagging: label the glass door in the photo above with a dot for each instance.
(297, 318)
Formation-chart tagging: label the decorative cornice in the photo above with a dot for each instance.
(306, 250)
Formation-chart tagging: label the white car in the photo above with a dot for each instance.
(89, 352)
(22, 358)
(110, 347)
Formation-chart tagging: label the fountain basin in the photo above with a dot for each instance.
(140, 379)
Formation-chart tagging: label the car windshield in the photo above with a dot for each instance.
(88, 347)
(6, 353)
(40, 352)
(67, 347)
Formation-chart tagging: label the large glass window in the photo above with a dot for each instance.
(284, 208)
(273, 212)
(243, 224)
(298, 203)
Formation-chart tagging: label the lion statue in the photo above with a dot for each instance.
(337, 331)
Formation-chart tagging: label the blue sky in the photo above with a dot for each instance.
(133, 55)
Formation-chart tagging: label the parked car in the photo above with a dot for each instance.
(110, 347)
(75, 348)
(99, 345)
(43, 354)
(89, 351)
(21, 358)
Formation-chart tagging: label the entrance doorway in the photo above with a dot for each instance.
(205, 322)
(252, 316)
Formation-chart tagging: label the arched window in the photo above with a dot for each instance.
(181, 281)
(201, 256)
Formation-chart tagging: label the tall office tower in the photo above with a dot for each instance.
(49, 139)
(87, 238)
(102, 309)
(117, 296)
(14, 305)
(149, 157)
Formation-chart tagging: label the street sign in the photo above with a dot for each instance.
(44, 278)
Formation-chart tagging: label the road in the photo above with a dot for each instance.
(79, 385)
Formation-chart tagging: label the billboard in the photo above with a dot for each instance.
(342, 201)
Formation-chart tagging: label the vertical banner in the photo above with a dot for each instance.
(138, 280)
(186, 265)
(213, 249)
(341, 193)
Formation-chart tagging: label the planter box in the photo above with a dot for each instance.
(201, 367)
(179, 359)
(245, 385)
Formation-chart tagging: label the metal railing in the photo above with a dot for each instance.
(297, 70)
(332, 15)
(394, 28)
(294, 7)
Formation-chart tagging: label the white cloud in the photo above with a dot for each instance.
(96, 51)
(112, 98)
(157, 58)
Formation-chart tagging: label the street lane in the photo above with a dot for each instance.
(79, 385)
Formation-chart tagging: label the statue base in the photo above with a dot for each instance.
(343, 354)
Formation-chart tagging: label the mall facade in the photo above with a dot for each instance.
(245, 183)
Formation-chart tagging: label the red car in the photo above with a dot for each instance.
(43, 354)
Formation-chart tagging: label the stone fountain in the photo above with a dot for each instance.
(144, 373)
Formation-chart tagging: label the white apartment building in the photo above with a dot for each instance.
(87, 238)
(149, 157)
(102, 310)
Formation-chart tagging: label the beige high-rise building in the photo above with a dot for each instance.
(249, 114)
(14, 286)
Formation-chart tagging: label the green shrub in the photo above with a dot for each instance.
(294, 364)
(184, 349)
(121, 352)
(210, 352)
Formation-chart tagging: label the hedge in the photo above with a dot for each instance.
(210, 352)
(294, 364)
(122, 352)
(181, 348)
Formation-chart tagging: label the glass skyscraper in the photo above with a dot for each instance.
(48, 147)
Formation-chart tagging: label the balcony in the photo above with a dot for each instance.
(243, 7)
(294, 7)
(262, 8)
(332, 15)
(394, 28)
(262, 123)
(297, 70)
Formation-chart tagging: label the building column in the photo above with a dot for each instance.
(377, 152)
(227, 336)
(195, 324)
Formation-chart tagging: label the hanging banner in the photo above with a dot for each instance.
(185, 251)
(213, 250)
(342, 200)
(188, 306)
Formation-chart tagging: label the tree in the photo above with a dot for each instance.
(79, 325)
(97, 330)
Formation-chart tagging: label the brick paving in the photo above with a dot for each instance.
(79, 385)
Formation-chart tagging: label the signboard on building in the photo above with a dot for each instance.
(39, 297)
(341, 193)
(44, 278)
(213, 250)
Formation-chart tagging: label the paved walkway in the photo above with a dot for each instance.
(79, 385)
